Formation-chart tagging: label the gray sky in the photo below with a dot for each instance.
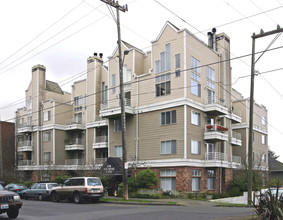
(61, 35)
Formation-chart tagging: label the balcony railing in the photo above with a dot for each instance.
(74, 162)
(215, 100)
(215, 156)
(236, 159)
(216, 127)
(24, 162)
(77, 141)
(73, 121)
(236, 135)
(99, 160)
(114, 103)
(24, 143)
(100, 139)
(26, 124)
(237, 112)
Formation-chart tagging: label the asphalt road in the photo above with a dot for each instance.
(43, 210)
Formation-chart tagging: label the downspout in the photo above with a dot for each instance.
(185, 96)
(54, 140)
(38, 144)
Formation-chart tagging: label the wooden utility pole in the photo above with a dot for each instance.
(250, 147)
(122, 97)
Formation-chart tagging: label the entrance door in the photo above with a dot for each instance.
(211, 152)
(210, 96)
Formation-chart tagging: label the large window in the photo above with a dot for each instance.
(164, 63)
(168, 147)
(263, 120)
(46, 156)
(104, 93)
(177, 61)
(168, 180)
(117, 125)
(195, 117)
(163, 84)
(29, 103)
(118, 151)
(210, 179)
(78, 100)
(168, 117)
(195, 84)
(46, 136)
(47, 116)
(196, 180)
(113, 83)
(195, 65)
(78, 118)
(263, 139)
(195, 147)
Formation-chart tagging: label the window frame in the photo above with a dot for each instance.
(47, 116)
(46, 136)
(195, 151)
(195, 113)
(117, 125)
(168, 147)
(172, 117)
(118, 151)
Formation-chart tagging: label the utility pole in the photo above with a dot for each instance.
(250, 147)
(122, 97)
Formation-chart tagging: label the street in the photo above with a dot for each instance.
(34, 210)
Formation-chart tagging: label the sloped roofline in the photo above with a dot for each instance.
(128, 47)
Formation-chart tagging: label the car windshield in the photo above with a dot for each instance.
(93, 182)
(20, 186)
(1, 187)
(51, 185)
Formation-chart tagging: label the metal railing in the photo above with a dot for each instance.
(215, 156)
(25, 124)
(216, 127)
(215, 100)
(77, 141)
(236, 159)
(100, 139)
(99, 160)
(237, 135)
(74, 162)
(73, 121)
(114, 103)
(24, 143)
(24, 162)
(237, 112)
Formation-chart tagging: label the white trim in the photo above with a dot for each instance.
(185, 65)
(54, 146)
(185, 133)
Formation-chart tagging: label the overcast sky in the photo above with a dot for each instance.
(62, 34)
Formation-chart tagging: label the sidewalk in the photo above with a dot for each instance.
(174, 202)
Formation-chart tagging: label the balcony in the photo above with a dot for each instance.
(237, 159)
(113, 108)
(24, 146)
(25, 127)
(236, 116)
(25, 162)
(216, 156)
(214, 133)
(74, 124)
(236, 139)
(74, 162)
(77, 144)
(99, 161)
(97, 122)
(215, 106)
(100, 142)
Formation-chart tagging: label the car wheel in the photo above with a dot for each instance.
(54, 197)
(13, 213)
(25, 196)
(40, 197)
(77, 198)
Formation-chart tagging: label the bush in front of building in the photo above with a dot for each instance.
(61, 179)
(146, 179)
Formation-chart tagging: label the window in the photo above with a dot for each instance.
(263, 120)
(195, 147)
(177, 61)
(263, 139)
(21, 121)
(117, 125)
(163, 88)
(195, 88)
(168, 117)
(127, 74)
(113, 83)
(210, 179)
(29, 120)
(78, 118)
(195, 117)
(118, 151)
(104, 89)
(164, 63)
(196, 180)
(29, 103)
(46, 136)
(168, 180)
(78, 100)
(47, 116)
(168, 147)
(263, 158)
(46, 156)
(210, 75)
(177, 73)
(195, 65)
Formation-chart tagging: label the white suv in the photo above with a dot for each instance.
(78, 189)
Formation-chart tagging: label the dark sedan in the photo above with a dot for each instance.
(40, 191)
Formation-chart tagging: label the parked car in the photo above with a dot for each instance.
(10, 203)
(78, 189)
(266, 195)
(40, 191)
(16, 187)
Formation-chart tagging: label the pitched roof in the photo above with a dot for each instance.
(53, 87)
(274, 165)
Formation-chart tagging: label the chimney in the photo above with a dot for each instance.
(210, 39)
(95, 54)
(101, 55)
(214, 39)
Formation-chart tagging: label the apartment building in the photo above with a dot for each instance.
(180, 118)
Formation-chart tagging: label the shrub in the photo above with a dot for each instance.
(61, 179)
(146, 179)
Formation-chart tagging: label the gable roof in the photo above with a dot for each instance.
(168, 23)
(53, 87)
(274, 165)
